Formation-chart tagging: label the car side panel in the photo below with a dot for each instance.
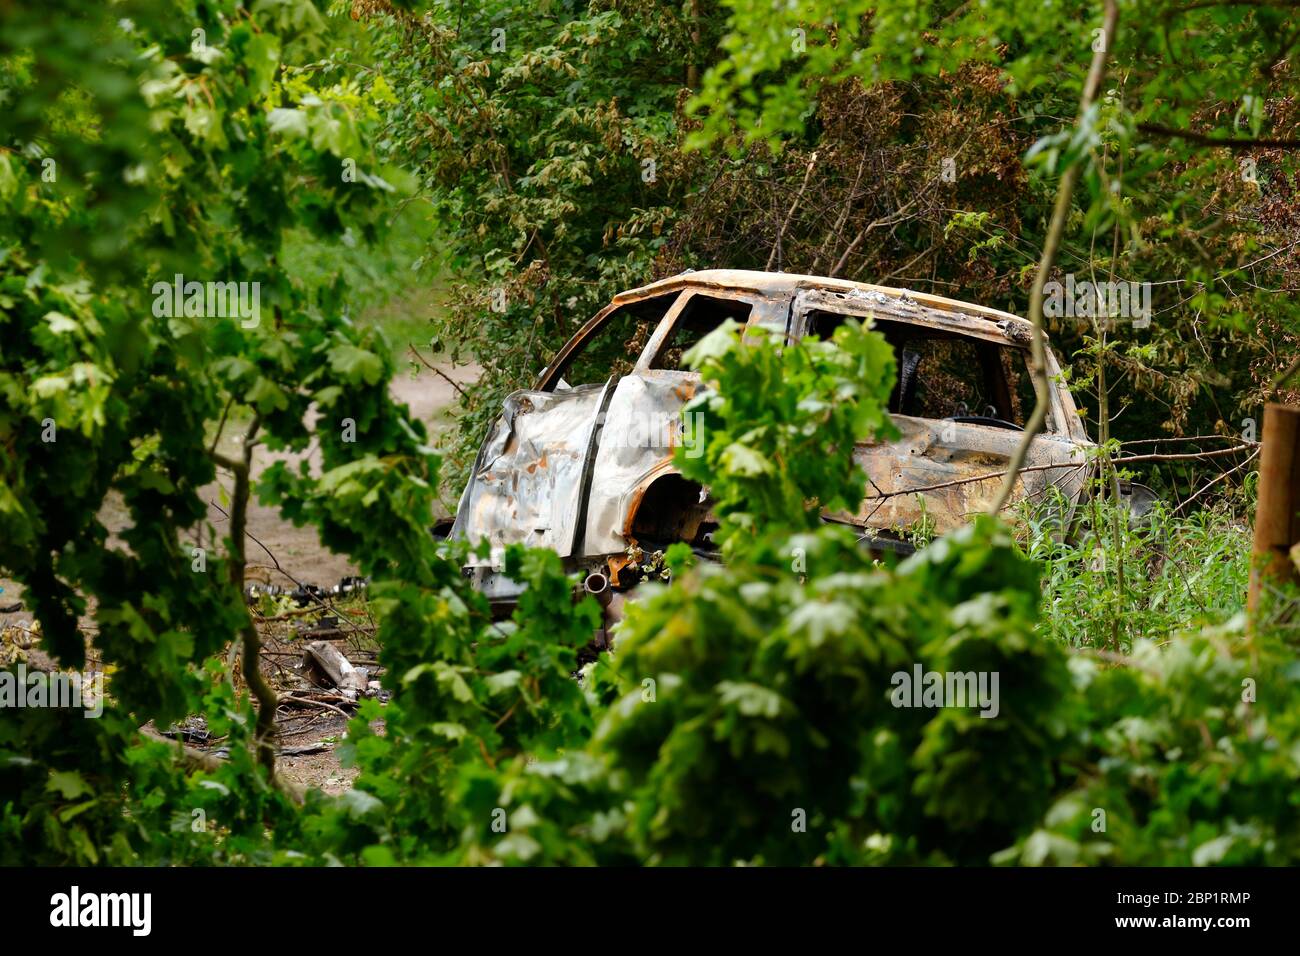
(525, 488)
(928, 472)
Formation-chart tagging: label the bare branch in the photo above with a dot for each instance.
(436, 370)
(794, 206)
(1060, 215)
(1226, 142)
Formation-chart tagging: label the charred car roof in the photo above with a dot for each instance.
(783, 284)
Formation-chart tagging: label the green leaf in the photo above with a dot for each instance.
(356, 365)
(744, 461)
(60, 324)
(68, 783)
(288, 122)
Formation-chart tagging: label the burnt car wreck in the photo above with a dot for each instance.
(583, 462)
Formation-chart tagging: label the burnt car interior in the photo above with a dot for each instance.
(948, 376)
(700, 316)
(674, 509)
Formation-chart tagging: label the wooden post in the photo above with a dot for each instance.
(1277, 527)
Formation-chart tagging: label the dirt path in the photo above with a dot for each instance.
(298, 550)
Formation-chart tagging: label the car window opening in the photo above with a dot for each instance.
(616, 344)
(947, 375)
(701, 315)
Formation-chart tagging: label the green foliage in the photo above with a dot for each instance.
(471, 696)
(150, 141)
(773, 700)
(751, 717)
(750, 711)
(820, 83)
(546, 138)
(778, 439)
(1169, 574)
(766, 84)
(772, 676)
(214, 815)
(1189, 753)
(531, 130)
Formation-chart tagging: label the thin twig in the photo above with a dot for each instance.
(1206, 140)
(1222, 477)
(776, 246)
(313, 702)
(436, 370)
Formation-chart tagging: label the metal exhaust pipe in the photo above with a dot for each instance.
(597, 585)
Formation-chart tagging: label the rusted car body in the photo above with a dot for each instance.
(583, 462)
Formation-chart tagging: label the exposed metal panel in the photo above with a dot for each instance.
(526, 481)
(783, 284)
(642, 431)
(931, 468)
(905, 308)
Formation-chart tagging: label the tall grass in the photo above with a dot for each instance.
(1167, 574)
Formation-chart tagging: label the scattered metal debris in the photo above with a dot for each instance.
(305, 594)
(324, 662)
(349, 585)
